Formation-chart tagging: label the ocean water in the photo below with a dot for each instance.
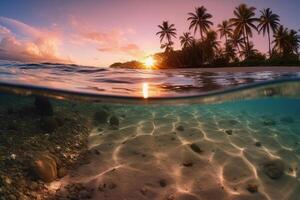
(73, 132)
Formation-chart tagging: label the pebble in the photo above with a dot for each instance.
(258, 144)
(45, 167)
(62, 172)
(196, 148)
(274, 169)
(101, 116)
(162, 183)
(229, 132)
(188, 163)
(114, 121)
(43, 106)
(252, 188)
(180, 128)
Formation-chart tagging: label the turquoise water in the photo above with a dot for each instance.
(63, 142)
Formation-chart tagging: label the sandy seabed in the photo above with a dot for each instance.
(191, 154)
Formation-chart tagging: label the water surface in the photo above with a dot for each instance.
(138, 135)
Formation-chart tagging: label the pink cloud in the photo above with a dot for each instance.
(114, 41)
(21, 42)
(132, 49)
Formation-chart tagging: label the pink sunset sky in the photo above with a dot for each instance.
(100, 33)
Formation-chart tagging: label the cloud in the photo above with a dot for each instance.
(113, 41)
(21, 42)
(133, 50)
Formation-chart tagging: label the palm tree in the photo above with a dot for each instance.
(225, 30)
(268, 22)
(281, 41)
(237, 41)
(294, 41)
(167, 31)
(167, 46)
(186, 40)
(200, 19)
(211, 45)
(244, 22)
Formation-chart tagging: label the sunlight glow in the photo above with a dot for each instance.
(145, 90)
(149, 62)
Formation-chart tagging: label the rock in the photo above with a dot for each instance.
(111, 185)
(101, 116)
(33, 185)
(229, 132)
(258, 144)
(269, 122)
(287, 120)
(49, 124)
(45, 167)
(196, 148)
(162, 183)
(43, 106)
(188, 163)
(274, 169)
(114, 121)
(12, 197)
(97, 152)
(252, 188)
(180, 128)
(62, 172)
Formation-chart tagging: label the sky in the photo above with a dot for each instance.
(101, 32)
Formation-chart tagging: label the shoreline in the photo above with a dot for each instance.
(242, 69)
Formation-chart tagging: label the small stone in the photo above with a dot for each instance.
(97, 152)
(43, 106)
(62, 172)
(49, 124)
(111, 185)
(287, 120)
(114, 121)
(180, 128)
(274, 169)
(101, 116)
(269, 122)
(45, 167)
(188, 163)
(13, 156)
(258, 144)
(252, 188)
(33, 185)
(171, 197)
(144, 191)
(162, 183)
(229, 132)
(12, 197)
(196, 148)
(7, 180)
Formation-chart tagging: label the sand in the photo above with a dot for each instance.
(190, 153)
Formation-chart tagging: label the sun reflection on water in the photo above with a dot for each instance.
(145, 90)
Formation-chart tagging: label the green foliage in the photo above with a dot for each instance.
(237, 50)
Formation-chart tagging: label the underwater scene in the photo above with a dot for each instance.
(239, 144)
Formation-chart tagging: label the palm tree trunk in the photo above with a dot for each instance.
(269, 42)
(202, 39)
(248, 44)
(245, 43)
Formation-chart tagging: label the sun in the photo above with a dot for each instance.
(149, 62)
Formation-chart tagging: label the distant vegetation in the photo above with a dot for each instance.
(204, 49)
